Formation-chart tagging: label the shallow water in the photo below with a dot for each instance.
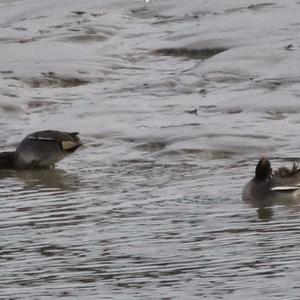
(175, 103)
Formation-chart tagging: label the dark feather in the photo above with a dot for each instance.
(285, 171)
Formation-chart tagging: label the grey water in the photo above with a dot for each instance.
(175, 103)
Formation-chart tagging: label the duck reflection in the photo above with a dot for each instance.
(265, 213)
(44, 178)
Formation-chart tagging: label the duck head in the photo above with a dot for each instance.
(70, 142)
(263, 169)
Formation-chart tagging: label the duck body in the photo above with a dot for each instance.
(42, 149)
(267, 188)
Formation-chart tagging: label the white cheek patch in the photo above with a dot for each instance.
(67, 145)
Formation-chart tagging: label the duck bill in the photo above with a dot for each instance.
(70, 146)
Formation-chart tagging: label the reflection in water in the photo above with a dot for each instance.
(265, 213)
(52, 178)
(265, 205)
(44, 178)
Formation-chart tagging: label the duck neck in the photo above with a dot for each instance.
(261, 179)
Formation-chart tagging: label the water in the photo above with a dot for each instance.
(175, 104)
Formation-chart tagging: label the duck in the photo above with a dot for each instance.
(40, 150)
(268, 187)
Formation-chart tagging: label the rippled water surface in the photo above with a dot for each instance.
(175, 102)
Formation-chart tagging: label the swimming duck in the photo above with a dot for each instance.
(267, 186)
(41, 149)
